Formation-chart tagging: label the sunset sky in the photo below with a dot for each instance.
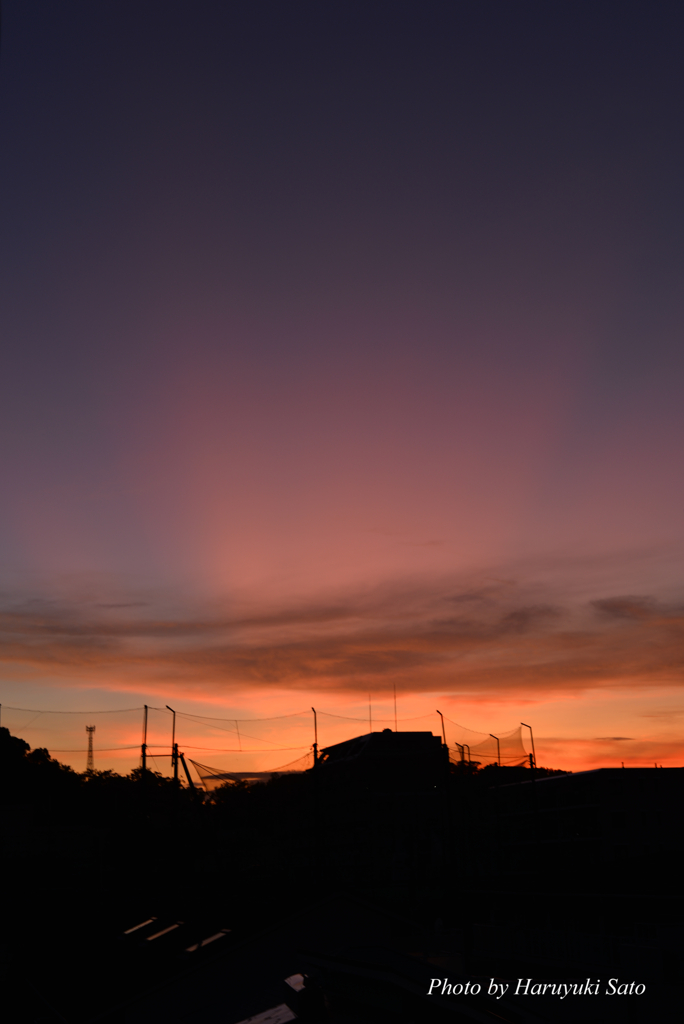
(342, 351)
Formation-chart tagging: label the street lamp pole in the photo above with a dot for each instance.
(315, 737)
(498, 748)
(534, 756)
(174, 752)
(144, 742)
(443, 732)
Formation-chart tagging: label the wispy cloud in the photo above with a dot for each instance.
(497, 636)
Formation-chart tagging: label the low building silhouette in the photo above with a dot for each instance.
(413, 759)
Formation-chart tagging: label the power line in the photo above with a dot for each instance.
(211, 718)
(33, 711)
(234, 721)
(186, 746)
(215, 718)
(79, 750)
(245, 750)
(348, 718)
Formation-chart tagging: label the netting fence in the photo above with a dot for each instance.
(238, 747)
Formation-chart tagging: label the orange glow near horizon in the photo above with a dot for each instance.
(595, 674)
(253, 742)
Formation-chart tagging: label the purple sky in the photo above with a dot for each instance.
(342, 347)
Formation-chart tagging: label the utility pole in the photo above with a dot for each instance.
(534, 756)
(395, 708)
(498, 748)
(90, 763)
(315, 738)
(370, 718)
(144, 742)
(174, 748)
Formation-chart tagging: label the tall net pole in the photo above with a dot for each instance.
(90, 763)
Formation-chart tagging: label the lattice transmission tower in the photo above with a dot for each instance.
(90, 764)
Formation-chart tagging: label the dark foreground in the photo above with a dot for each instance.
(368, 884)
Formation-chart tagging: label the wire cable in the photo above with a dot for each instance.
(273, 718)
(236, 730)
(348, 718)
(81, 750)
(115, 711)
(245, 750)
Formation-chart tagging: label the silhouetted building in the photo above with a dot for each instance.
(411, 760)
(380, 808)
